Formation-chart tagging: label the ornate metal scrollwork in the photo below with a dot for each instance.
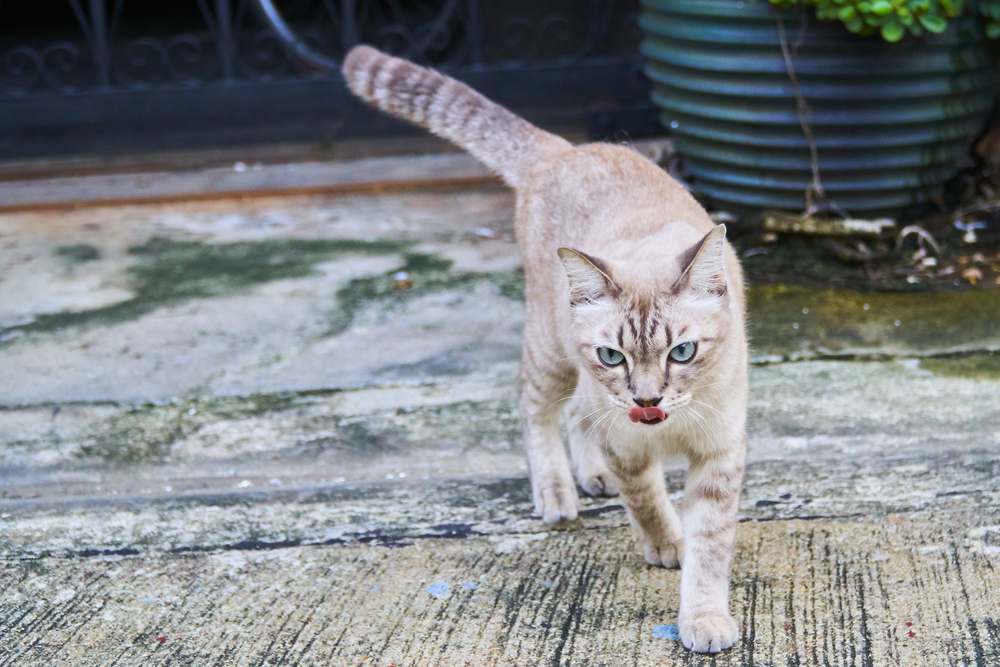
(122, 44)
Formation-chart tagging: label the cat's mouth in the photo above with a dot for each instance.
(650, 415)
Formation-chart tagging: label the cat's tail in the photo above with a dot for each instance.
(505, 143)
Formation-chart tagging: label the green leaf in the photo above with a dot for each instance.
(892, 31)
(881, 7)
(933, 23)
(847, 13)
(993, 30)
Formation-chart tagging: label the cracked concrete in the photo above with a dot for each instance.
(282, 431)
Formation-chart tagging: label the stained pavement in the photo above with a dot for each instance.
(282, 431)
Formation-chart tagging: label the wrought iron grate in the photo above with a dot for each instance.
(110, 75)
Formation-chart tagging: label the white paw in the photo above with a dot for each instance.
(591, 472)
(668, 556)
(709, 632)
(599, 482)
(555, 498)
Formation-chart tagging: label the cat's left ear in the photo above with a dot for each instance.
(589, 278)
(706, 270)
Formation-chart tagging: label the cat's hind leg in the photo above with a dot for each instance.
(546, 383)
(583, 420)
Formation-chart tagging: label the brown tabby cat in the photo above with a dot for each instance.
(640, 325)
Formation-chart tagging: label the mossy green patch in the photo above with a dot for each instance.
(419, 274)
(169, 271)
(980, 366)
(146, 433)
(788, 320)
(78, 252)
(138, 435)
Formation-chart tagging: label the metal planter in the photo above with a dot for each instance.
(891, 122)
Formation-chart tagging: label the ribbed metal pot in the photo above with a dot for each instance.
(891, 121)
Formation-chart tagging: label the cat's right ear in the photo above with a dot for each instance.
(589, 278)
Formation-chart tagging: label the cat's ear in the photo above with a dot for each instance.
(706, 269)
(589, 278)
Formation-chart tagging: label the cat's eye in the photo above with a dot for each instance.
(609, 356)
(683, 352)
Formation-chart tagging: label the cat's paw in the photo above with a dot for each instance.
(709, 632)
(668, 556)
(597, 481)
(591, 472)
(556, 498)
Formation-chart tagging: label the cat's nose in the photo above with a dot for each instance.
(647, 402)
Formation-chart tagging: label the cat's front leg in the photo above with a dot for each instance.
(542, 386)
(710, 503)
(654, 520)
(585, 444)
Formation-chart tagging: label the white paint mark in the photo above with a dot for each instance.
(511, 543)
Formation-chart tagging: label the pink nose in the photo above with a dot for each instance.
(653, 415)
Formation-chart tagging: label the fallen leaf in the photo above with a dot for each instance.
(972, 275)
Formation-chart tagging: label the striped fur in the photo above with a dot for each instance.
(502, 141)
(616, 254)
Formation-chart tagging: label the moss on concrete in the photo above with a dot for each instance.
(140, 434)
(420, 274)
(168, 271)
(145, 433)
(789, 319)
(78, 252)
(980, 366)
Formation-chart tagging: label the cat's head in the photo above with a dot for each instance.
(651, 342)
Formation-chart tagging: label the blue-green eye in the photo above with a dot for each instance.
(610, 357)
(683, 352)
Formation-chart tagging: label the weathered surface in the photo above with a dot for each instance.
(283, 432)
(806, 592)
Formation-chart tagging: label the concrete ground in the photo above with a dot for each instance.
(281, 431)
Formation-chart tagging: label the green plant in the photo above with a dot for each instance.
(990, 10)
(893, 19)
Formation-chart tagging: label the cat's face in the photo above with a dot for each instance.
(647, 348)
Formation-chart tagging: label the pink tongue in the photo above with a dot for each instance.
(638, 414)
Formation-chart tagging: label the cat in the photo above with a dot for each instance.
(634, 314)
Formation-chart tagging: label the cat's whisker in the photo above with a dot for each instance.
(581, 419)
(599, 421)
(707, 405)
(607, 436)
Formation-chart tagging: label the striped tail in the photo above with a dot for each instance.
(505, 143)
